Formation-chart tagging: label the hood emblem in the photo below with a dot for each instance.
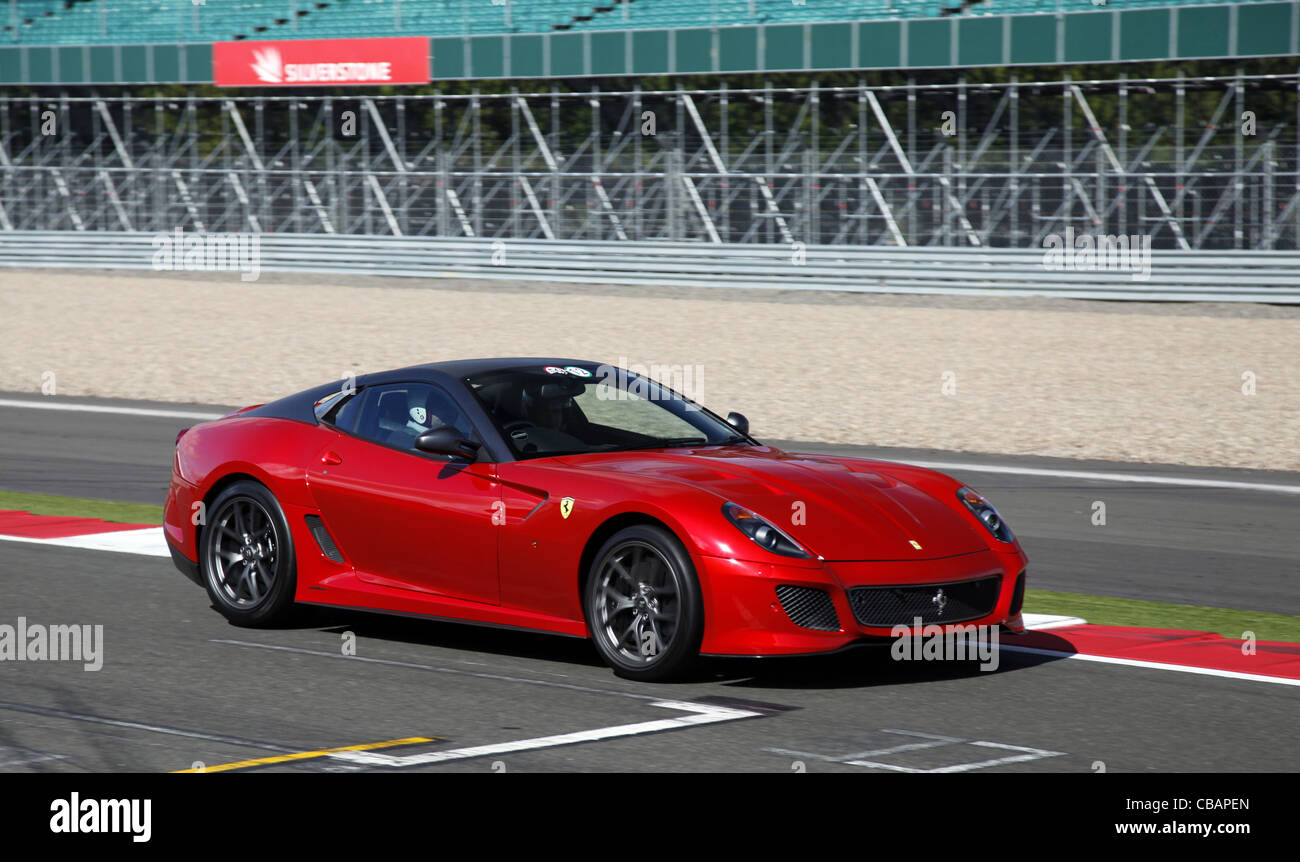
(914, 543)
(566, 507)
(940, 601)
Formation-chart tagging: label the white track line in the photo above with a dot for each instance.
(1096, 476)
(148, 541)
(960, 767)
(101, 408)
(34, 758)
(1008, 469)
(860, 758)
(1039, 622)
(1154, 665)
(454, 671)
(699, 713)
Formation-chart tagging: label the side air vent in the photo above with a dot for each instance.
(324, 539)
(808, 607)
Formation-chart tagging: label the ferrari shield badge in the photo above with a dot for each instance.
(566, 507)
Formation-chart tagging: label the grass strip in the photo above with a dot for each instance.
(78, 507)
(1109, 611)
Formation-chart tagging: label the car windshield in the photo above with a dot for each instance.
(571, 410)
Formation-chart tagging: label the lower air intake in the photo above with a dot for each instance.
(808, 607)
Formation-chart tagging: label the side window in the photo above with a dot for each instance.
(395, 414)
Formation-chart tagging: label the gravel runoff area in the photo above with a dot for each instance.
(1203, 384)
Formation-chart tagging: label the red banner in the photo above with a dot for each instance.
(321, 62)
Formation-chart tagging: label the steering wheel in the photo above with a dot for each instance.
(517, 424)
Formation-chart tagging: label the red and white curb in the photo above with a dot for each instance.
(87, 533)
(1203, 653)
(1051, 636)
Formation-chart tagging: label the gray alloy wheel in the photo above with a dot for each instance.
(247, 557)
(639, 609)
(244, 553)
(643, 604)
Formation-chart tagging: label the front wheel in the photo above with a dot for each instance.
(247, 556)
(643, 604)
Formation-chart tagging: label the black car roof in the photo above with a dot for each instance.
(300, 406)
(462, 368)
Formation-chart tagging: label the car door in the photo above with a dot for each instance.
(404, 518)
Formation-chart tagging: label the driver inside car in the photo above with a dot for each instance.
(551, 418)
(550, 405)
(426, 409)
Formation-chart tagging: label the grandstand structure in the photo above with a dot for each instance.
(91, 22)
(163, 41)
(839, 122)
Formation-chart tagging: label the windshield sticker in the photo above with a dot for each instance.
(552, 369)
(576, 371)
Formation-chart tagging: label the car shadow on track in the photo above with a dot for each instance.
(865, 666)
(450, 635)
(868, 666)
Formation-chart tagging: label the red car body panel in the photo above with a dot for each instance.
(409, 522)
(488, 543)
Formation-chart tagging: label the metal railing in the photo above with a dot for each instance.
(1225, 276)
(1195, 164)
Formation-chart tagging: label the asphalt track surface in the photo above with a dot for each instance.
(180, 686)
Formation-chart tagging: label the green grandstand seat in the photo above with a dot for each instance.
(83, 22)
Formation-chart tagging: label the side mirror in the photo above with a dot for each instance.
(739, 422)
(445, 441)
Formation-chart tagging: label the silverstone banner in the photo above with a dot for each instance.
(321, 62)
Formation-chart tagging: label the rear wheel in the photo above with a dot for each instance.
(643, 604)
(247, 556)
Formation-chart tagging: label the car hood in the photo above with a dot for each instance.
(839, 509)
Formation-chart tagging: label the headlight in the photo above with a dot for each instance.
(987, 515)
(762, 532)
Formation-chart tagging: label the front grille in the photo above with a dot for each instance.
(902, 605)
(808, 607)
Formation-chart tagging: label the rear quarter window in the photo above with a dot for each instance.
(339, 410)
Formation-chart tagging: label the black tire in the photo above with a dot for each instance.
(246, 543)
(643, 606)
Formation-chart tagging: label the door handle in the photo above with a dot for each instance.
(331, 457)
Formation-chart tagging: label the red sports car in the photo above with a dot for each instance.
(577, 498)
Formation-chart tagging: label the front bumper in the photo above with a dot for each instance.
(187, 567)
(747, 615)
(181, 538)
